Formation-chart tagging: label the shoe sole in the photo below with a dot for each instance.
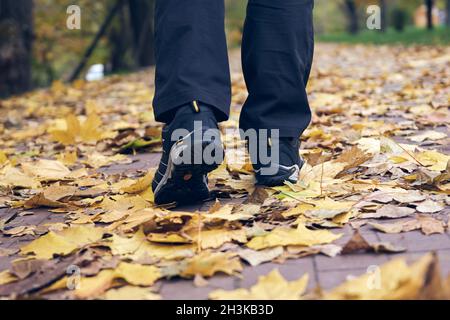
(185, 183)
(284, 174)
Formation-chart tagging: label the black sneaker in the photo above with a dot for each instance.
(287, 168)
(183, 169)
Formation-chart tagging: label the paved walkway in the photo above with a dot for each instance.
(324, 271)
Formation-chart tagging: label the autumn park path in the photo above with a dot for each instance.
(372, 106)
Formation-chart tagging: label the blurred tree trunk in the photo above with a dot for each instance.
(429, 4)
(142, 19)
(16, 37)
(118, 39)
(352, 14)
(384, 8)
(448, 13)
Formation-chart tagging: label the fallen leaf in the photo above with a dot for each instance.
(389, 211)
(394, 280)
(62, 243)
(429, 206)
(134, 274)
(46, 170)
(284, 236)
(270, 287)
(209, 263)
(428, 135)
(131, 293)
(255, 258)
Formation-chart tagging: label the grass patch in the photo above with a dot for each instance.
(410, 36)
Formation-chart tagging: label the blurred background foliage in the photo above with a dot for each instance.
(53, 51)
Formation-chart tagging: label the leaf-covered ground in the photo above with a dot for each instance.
(77, 218)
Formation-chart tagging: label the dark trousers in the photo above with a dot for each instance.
(277, 50)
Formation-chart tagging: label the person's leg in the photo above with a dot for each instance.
(191, 57)
(277, 51)
(193, 93)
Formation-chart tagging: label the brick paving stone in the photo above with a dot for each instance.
(183, 289)
(350, 261)
(33, 219)
(333, 278)
(5, 263)
(7, 213)
(416, 241)
(149, 160)
(54, 218)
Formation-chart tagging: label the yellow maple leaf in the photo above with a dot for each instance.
(13, 177)
(284, 236)
(3, 158)
(209, 263)
(46, 170)
(269, 287)
(393, 280)
(6, 277)
(433, 160)
(62, 243)
(141, 184)
(214, 238)
(135, 274)
(131, 293)
(138, 247)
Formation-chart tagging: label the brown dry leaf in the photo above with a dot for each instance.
(353, 157)
(270, 287)
(430, 225)
(284, 236)
(208, 263)
(40, 200)
(258, 196)
(386, 247)
(356, 243)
